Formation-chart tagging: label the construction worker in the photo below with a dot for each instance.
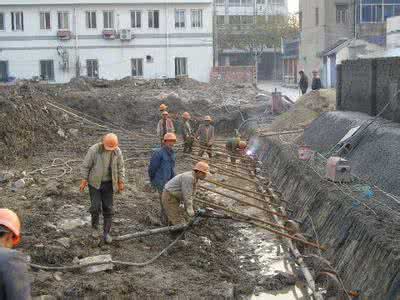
(162, 168)
(15, 282)
(187, 133)
(165, 125)
(303, 82)
(163, 108)
(104, 172)
(177, 197)
(206, 136)
(235, 147)
(316, 81)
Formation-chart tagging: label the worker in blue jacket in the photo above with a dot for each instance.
(162, 168)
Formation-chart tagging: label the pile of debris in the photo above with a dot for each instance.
(27, 124)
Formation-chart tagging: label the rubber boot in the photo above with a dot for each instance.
(95, 221)
(107, 228)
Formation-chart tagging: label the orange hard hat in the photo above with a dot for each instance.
(110, 142)
(10, 220)
(186, 115)
(163, 107)
(207, 118)
(165, 112)
(202, 166)
(170, 137)
(242, 145)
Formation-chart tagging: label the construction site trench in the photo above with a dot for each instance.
(277, 232)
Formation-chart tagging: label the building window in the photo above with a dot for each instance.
(180, 66)
(92, 67)
(154, 19)
(260, 1)
(341, 14)
(17, 21)
(197, 18)
(179, 18)
(220, 2)
(91, 20)
(220, 20)
(47, 70)
(234, 2)
(234, 20)
(108, 19)
(2, 27)
(377, 11)
(247, 20)
(136, 19)
(316, 16)
(137, 67)
(63, 20)
(45, 21)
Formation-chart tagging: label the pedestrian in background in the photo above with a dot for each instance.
(316, 81)
(187, 133)
(303, 83)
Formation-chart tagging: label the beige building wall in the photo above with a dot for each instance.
(315, 38)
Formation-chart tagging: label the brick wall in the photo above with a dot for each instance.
(238, 74)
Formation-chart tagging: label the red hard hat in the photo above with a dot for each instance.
(110, 142)
(10, 220)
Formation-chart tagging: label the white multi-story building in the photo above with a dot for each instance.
(57, 40)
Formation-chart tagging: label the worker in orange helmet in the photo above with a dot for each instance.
(104, 172)
(163, 108)
(187, 133)
(15, 281)
(165, 125)
(177, 197)
(206, 137)
(162, 168)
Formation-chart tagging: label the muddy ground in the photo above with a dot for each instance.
(219, 260)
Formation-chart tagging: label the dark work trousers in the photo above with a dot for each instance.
(207, 149)
(163, 214)
(188, 145)
(102, 201)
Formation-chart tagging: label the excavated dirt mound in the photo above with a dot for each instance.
(27, 126)
(306, 110)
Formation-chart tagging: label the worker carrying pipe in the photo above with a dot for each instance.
(235, 147)
(162, 168)
(187, 133)
(165, 125)
(177, 197)
(206, 137)
(15, 281)
(104, 172)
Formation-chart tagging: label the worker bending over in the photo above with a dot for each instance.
(165, 125)
(206, 137)
(187, 133)
(15, 282)
(104, 172)
(235, 148)
(162, 168)
(178, 194)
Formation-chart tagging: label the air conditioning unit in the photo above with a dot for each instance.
(125, 35)
(64, 34)
(109, 34)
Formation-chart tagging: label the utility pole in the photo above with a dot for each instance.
(215, 35)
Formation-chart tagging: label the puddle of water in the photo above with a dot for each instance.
(293, 293)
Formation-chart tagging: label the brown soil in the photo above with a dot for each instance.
(207, 268)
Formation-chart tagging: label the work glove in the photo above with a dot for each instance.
(121, 186)
(84, 184)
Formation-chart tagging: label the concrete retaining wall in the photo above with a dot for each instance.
(375, 159)
(367, 85)
(357, 246)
